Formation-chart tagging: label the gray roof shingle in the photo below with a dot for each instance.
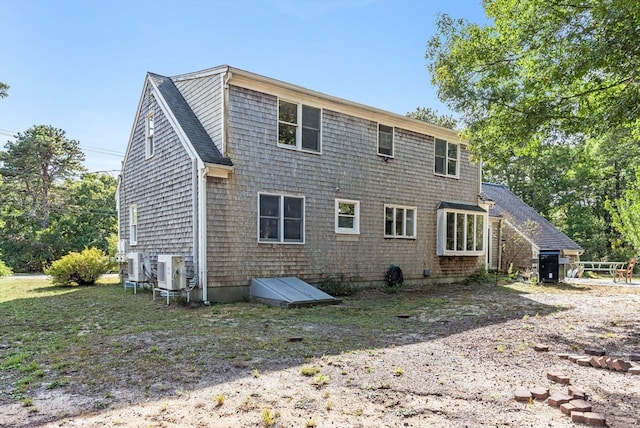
(507, 205)
(197, 135)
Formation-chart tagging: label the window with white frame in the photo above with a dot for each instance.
(299, 126)
(149, 142)
(385, 140)
(133, 225)
(347, 216)
(281, 218)
(399, 221)
(446, 159)
(460, 233)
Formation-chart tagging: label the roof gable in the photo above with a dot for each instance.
(197, 136)
(520, 215)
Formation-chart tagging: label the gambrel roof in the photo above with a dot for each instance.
(186, 118)
(521, 216)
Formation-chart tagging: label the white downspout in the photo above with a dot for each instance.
(202, 232)
(194, 214)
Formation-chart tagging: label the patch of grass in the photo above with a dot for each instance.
(106, 338)
(309, 371)
(269, 417)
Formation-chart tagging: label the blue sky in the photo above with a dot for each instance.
(79, 65)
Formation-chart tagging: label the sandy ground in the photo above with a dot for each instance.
(464, 379)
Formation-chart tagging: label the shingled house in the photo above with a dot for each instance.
(518, 233)
(245, 176)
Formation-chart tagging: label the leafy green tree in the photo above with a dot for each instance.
(85, 217)
(541, 69)
(625, 213)
(550, 97)
(46, 210)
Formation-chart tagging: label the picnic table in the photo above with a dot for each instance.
(578, 268)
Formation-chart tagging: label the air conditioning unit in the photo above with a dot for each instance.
(135, 271)
(171, 272)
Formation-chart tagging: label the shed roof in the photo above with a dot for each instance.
(507, 205)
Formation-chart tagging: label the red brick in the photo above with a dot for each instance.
(563, 379)
(522, 394)
(563, 356)
(609, 362)
(603, 362)
(585, 362)
(594, 419)
(540, 393)
(553, 375)
(541, 348)
(635, 370)
(621, 365)
(595, 362)
(581, 405)
(577, 417)
(574, 358)
(556, 400)
(576, 392)
(567, 408)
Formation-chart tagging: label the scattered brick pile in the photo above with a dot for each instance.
(597, 358)
(574, 403)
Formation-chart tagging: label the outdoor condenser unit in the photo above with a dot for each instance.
(171, 273)
(135, 270)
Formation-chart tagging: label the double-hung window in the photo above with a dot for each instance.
(347, 216)
(281, 219)
(399, 221)
(149, 142)
(460, 232)
(299, 126)
(446, 159)
(385, 140)
(133, 225)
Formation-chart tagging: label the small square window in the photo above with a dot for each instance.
(347, 214)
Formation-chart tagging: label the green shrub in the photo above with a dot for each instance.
(79, 268)
(4, 269)
(337, 285)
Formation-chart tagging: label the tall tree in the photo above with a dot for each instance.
(625, 213)
(542, 69)
(549, 92)
(34, 162)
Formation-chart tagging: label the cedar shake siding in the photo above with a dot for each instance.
(161, 188)
(348, 168)
(236, 136)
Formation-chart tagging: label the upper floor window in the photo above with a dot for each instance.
(446, 159)
(399, 222)
(299, 126)
(385, 140)
(149, 143)
(133, 225)
(347, 216)
(281, 219)
(460, 233)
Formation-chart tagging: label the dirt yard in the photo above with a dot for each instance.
(457, 364)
